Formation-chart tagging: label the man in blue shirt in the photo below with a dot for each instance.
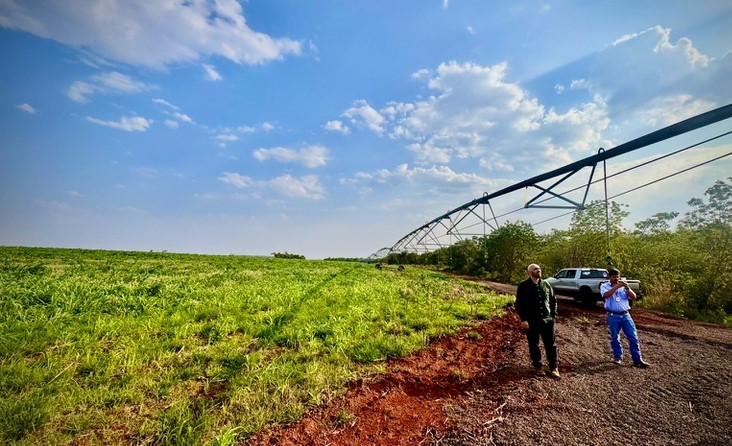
(617, 295)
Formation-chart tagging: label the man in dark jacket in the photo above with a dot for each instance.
(536, 305)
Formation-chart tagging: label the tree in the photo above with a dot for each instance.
(657, 224)
(509, 249)
(710, 224)
(717, 211)
(586, 243)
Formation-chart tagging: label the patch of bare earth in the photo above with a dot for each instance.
(467, 391)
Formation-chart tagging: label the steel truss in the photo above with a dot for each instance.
(469, 220)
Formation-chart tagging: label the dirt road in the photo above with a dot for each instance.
(470, 390)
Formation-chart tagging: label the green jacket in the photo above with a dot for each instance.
(536, 302)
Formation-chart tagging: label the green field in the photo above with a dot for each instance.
(111, 347)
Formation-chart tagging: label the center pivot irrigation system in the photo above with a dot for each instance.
(471, 219)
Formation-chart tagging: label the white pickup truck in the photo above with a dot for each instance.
(584, 283)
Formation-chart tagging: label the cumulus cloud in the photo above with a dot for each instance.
(337, 126)
(364, 115)
(683, 47)
(307, 186)
(666, 70)
(313, 156)
(477, 112)
(152, 34)
(473, 110)
(128, 124)
(106, 83)
(26, 108)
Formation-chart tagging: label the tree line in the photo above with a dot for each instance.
(685, 269)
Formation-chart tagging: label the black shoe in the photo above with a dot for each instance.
(641, 364)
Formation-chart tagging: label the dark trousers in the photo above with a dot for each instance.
(545, 331)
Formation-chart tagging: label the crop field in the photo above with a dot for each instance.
(111, 347)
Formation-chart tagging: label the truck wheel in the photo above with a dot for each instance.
(586, 297)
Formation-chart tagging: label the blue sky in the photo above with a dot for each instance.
(332, 128)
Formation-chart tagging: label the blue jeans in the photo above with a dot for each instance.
(617, 322)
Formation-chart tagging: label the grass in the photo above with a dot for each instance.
(109, 347)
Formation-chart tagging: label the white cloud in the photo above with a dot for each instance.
(337, 126)
(26, 108)
(624, 38)
(496, 163)
(306, 186)
(363, 114)
(129, 124)
(574, 131)
(657, 65)
(313, 156)
(664, 111)
(477, 112)
(437, 179)
(172, 124)
(183, 117)
(246, 129)
(227, 137)
(231, 134)
(473, 111)
(428, 153)
(114, 81)
(580, 84)
(684, 47)
(236, 180)
(165, 103)
(471, 31)
(153, 34)
(79, 90)
(421, 74)
(105, 83)
(211, 73)
(303, 187)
